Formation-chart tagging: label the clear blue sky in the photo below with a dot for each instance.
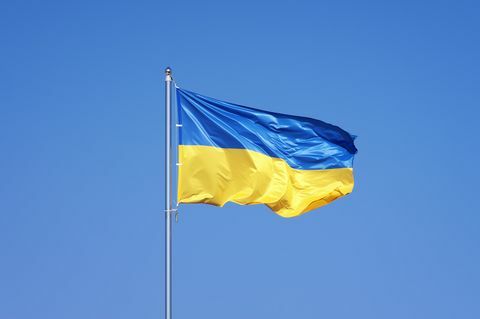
(81, 159)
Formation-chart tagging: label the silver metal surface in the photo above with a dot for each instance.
(168, 196)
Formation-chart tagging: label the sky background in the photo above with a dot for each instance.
(81, 159)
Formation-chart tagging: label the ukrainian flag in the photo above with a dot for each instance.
(232, 153)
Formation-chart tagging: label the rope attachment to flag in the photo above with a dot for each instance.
(178, 126)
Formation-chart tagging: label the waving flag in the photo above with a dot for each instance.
(230, 152)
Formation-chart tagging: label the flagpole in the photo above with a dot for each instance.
(168, 196)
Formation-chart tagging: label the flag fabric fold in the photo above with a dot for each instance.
(233, 153)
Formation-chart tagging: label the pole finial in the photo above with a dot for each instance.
(168, 71)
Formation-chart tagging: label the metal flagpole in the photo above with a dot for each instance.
(168, 196)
